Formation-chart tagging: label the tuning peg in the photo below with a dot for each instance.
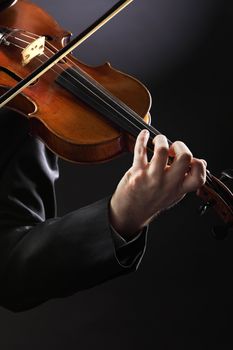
(220, 232)
(226, 175)
(203, 208)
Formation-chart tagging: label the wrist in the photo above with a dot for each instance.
(123, 220)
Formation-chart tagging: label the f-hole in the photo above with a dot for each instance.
(13, 75)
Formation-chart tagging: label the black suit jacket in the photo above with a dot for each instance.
(43, 256)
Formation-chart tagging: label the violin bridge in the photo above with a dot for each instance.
(36, 48)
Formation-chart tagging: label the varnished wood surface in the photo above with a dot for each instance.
(69, 127)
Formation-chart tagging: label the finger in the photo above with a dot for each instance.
(204, 161)
(182, 160)
(196, 176)
(140, 150)
(160, 158)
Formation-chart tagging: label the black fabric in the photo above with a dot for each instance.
(43, 256)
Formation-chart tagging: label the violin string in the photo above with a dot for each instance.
(88, 78)
(68, 59)
(144, 125)
(55, 49)
(84, 86)
(106, 92)
(208, 178)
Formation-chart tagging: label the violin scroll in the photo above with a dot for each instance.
(227, 175)
(216, 194)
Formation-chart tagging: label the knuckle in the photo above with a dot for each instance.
(128, 175)
(141, 150)
(204, 162)
(132, 184)
(138, 144)
(139, 141)
(200, 167)
(136, 179)
(185, 157)
(162, 150)
(156, 183)
(139, 175)
(199, 181)
(126, 180)
(201, 164)
(202, 180)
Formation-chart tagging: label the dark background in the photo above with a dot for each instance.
(181, 296)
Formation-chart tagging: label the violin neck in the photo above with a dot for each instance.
(96, 96)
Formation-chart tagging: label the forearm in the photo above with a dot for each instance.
(62, 256)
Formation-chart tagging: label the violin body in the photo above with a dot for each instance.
(66, 125)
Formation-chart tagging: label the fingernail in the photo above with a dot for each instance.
(205, 162)
(145, 132)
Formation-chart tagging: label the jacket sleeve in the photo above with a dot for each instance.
(43, 256)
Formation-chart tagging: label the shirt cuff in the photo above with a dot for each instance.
(130, 252)
(119, 241)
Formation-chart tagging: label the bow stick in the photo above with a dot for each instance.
(73, 44)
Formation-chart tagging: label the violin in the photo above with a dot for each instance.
(84, 114)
